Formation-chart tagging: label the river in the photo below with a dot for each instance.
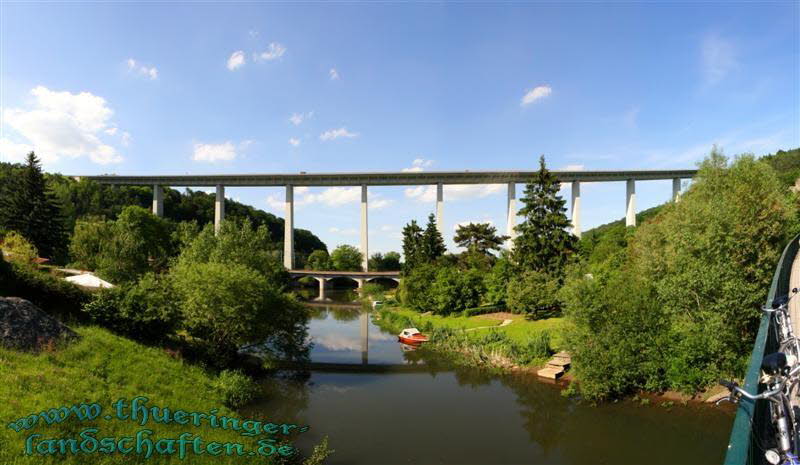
(435, 413)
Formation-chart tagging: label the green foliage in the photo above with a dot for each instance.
(374, 290)
(346, 258)
(679, 306)
(235, 388)
(482, 310)
(454, 290)
(388, 262)
(432, 241)
(237, 242)
(496, 281)
(319, 260)
(412, 246)
(230, 305)
(146, 311)
(17, 249)
(786, 164)
(48, 292)
(543, 243)
(320, 453)
(479, 238)
(122, 250)
(29, 207)
(415, 287)
(534, 293)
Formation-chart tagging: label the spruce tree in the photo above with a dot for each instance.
(432, 241)
(412, 245)
(543, 243)
(32, 210)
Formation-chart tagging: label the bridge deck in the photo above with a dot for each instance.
(352, 274)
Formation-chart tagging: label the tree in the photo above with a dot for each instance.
(480, 238)
(139, 242)
(237, 242)
(432, 241)
(496, 281)
(455, 291)
(543, 243)
(346, 258)
(319, 260)
(534, 294)
(388, 262)
(31, 209)
(89, 240)
(412, 245)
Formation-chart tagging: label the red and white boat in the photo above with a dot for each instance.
(412, 336)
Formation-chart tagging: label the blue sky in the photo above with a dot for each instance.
(162, 88)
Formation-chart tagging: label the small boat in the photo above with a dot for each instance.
(412, 336)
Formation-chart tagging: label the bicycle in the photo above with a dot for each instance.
(779, 309)
(777, 373)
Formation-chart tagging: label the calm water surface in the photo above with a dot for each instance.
(444, 415)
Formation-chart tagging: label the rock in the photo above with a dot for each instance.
(23, 326)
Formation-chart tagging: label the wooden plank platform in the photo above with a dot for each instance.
(550, 372)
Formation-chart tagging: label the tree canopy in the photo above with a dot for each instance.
(479, 238)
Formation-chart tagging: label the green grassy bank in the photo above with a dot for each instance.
(521, 344)
(103, 368)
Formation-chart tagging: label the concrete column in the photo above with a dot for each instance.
(630, 203)
(288, 229)
(676, 189)
(576, 208)
(364, 320)
(440, 208)
(219, 208)
(364, 231)
(322, 282)
(511, 214)
(360, 282)
(158, 200)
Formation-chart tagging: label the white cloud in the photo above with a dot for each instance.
(332, 134)
(214, 152)
(150, 72)
(719, 58)
(13, 152)
(294, 142)
(126, 138)
(331, 197)
(419, 164)
(573, 168)
(298, 118)
(62, 124)
(453, 192)
(252, 33)
(334, 75)
(535, 94)
(346, 232)
(236, 60)
(273, 52)
(386, 228)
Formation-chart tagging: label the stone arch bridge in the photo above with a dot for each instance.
(360, 277)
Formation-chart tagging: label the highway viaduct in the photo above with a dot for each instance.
(437, 178)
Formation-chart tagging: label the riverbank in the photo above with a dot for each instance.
(102, 367)
(521, 346)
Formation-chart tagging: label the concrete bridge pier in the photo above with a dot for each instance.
(364, 231)
(158, 200)
(361, 282)
(323, 283)
(676, 189)
(630, 203)
(288, 229)
(576, 208)
(219, 208)
(511, 214)
(440, 208)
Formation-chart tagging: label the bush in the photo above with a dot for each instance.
(346, 258)
(319, 260)
(235, 388)
(231, 305)
(415, 287)
(18, 250)
(534, 294)
(482, 310)
(374, 290)
(145, 311)
(496, 282)
(454, 290)
(48, 292)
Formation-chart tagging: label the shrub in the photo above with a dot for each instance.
(374, 290)
(236, 388)
(145, 311)
(534, 293)
(415, 287)
(319, 260)
(18, 250)
(454, 290)
(230, 305)
(48, 292)
(496, 282)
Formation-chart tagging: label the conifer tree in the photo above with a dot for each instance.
(432, 241)
(543, 243)
(31, 209)
(412, 245)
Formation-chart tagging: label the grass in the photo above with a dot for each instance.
(522, 343)
(102, 368)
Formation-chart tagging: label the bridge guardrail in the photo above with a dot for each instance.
(752, 419)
